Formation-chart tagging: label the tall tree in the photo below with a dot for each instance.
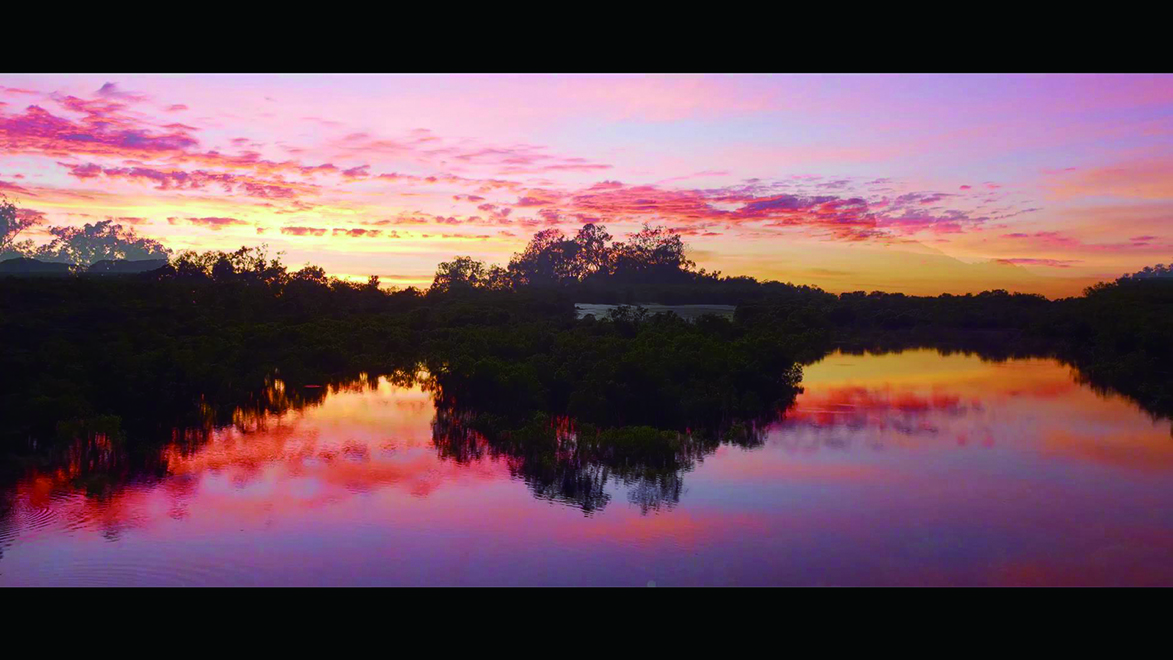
(652, 250)
(549, 259)
(460, 273)
(594, 255)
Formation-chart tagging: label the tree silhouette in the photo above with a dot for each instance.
(1150, 272)
(652, 249)
(11, 225)
(593, 255)
(549, 259)
(459, 274)
(552, 260)
(82, 246)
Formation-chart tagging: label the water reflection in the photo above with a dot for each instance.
(563, 463)
(919, 467)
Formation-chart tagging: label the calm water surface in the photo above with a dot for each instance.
(913, 468)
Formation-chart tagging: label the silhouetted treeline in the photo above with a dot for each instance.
(1151, 272)
(650, 266)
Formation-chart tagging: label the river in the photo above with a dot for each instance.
(910, 468)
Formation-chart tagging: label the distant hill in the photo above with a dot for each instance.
(23, 266)
(123, 267)
(31, 267)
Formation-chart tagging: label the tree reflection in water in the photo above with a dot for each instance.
(558, 458)
(564, 462)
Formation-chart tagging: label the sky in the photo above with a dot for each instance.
(923, 184)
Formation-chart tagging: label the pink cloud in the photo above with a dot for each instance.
(39, 131)
(213, 223)
(112, 91)
(362, 171)
(1036, 261)
(303, 231)
(194, 180)
(357, 233)
(1059, 241)
(1148, 178)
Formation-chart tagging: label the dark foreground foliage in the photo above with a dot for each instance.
(157, 358)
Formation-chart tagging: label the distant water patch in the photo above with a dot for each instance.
(686, 312)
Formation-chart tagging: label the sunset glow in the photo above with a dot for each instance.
(914, 183)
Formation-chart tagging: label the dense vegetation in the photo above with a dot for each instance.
(194, 342)
(215, 326)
